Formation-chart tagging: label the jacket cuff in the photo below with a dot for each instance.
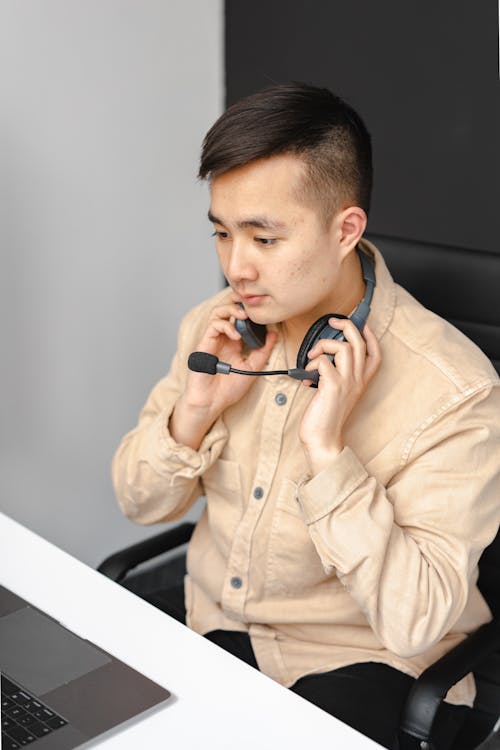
(328, 489)
(180, 461)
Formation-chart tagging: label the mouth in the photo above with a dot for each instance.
(252, 299)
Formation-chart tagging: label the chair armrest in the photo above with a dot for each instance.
(116, 566)
(431, 687)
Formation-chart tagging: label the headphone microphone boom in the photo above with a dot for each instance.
(211, 365)
(203, 362)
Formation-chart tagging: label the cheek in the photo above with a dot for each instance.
(312, 277)
(299, 269)
(223, 258)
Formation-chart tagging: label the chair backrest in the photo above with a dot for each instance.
(487, 674)
(460, 285)
(489, 575)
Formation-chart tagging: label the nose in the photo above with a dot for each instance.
(240, 265)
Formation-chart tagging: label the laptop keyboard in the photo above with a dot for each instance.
(24, 718)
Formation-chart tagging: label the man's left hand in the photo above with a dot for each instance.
(340, 387)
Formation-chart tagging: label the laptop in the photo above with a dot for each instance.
(59, 690)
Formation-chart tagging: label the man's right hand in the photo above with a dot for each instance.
(206, 396)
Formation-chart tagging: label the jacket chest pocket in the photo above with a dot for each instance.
(222, 484)
(292, 561)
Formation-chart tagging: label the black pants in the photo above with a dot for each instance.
(367, 696)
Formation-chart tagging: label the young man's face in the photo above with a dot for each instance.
(274, 250)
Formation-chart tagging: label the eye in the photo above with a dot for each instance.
(220, 235)
(266, 241)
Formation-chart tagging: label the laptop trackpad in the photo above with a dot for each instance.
(41, 654)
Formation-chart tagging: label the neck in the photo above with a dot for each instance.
(345, 296)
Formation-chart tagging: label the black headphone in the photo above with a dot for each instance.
(321, 330)
(254, 335)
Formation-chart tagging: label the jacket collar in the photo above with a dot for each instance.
(384, 295)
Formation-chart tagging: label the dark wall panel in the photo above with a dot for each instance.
(424, 76)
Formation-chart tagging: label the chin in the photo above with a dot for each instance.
(264, 318)
(269, 314)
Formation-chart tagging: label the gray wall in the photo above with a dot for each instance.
(104, 240)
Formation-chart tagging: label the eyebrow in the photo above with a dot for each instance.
(260, 222)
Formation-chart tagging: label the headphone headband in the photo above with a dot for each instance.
(362, 311)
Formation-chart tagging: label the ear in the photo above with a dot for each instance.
(351, 225)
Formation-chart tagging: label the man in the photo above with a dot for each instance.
(338, 550)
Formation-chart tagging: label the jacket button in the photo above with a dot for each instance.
(258, 493)
(280, 399)
(236, 582)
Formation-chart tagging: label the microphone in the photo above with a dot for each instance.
(211, 365)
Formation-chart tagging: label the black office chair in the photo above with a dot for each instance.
(461, 286)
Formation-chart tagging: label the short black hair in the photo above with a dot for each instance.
(310, 122)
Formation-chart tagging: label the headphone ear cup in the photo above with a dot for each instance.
(319, 330)
(312, 335)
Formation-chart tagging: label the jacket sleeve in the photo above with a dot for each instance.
(155, 478)
(407, 553)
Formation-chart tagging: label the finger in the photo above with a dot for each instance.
(307, 383)
(222, 327)
(356, 340)
(342, 351)
(228, 311)
(328, 374)
(327, 365)
(326, 346)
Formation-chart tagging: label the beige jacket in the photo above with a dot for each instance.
(373, 559)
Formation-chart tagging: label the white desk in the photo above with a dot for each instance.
(220, 702)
